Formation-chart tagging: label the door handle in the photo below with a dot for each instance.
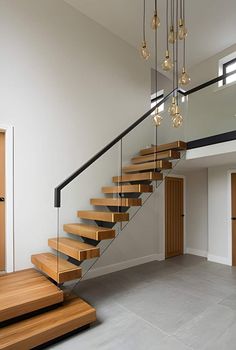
(2, 199)
(182, 215)
(233, 218)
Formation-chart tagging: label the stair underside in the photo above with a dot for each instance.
(55, 267)
(149, 176)
(176, 146)
(74, 248)
(162, 164)
(26, 291)
(139, 188)
(89, 231)
(116, 202)
(166, 155)
(37, 330)
(103, 216)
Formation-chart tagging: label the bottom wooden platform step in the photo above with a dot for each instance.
(37, 330)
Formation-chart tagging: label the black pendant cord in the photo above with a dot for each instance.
(167, 24)
(156, 80)
(174, 58)
(144, 20)
(177, 49)
(184, 44)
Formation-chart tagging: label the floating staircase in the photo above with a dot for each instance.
(30, 291)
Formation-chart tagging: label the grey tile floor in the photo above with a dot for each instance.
(178, 304)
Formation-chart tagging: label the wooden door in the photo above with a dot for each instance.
(174, 216)
(233, 214)
(2, 201)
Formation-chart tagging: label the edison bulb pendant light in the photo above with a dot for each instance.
(184, 78)
(155, 21)
(177, 120)
(182, 33)
(172, 36)
(157, 118)
(144, 51)
(167, 64)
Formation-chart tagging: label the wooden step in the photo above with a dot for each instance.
(55, 267)
(103, 216)
(139, 188)
(74, 248)
(40, 329)
(166, 155)
(161, 164)
(26, 291)
(150, 176)
(116, 202)
(176, 146)
(89, 231)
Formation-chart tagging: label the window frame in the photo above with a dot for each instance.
(224, 69)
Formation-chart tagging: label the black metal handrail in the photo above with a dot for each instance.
(58, 189)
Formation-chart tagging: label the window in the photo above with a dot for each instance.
(155, 98)
(227, 68)
(226, 65)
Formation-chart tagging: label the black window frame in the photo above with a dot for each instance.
(225, 65)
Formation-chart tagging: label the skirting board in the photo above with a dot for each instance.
(197, 252)
(218, 259)
(104, 270)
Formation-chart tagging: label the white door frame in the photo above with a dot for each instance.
(9, 196)
(229, 215)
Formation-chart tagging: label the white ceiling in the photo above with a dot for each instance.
(211, 23)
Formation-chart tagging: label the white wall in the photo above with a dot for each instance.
(219, 241)
(68, 87)
(197, 212)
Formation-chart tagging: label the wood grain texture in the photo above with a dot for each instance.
(55, 267)
(158, 165)
(174, 206)
(2, 204)
(103, 216)
(177, 145)
(166, 155)
(149, 176)
(40, 329)
(233, 214)
(89, 231)
(26, 291)
(116, 202)
(139, 188)
(74, 248)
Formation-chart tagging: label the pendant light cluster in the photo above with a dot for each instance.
(176, 34)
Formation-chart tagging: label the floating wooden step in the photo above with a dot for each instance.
(55, 267)
(74, 248)
(177, 146)
(166, 155)
(116, 202)
(89, 231)
(160, 165)
(40, 329)
(150, 176)
(103, 216)
(26, 291)
(139, 188)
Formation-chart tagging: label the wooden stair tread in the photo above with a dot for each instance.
(160, 164)
(149, 176)
(74, 248)
(116, 202)
(139, 188)
(42, 328)
(165, 155)
(93, 232)
(26, 291)
(177, 145)
(106, 216)
(55, 267)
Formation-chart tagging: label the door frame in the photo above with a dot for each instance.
(184, 223)
(229, 215)
(9, 197)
